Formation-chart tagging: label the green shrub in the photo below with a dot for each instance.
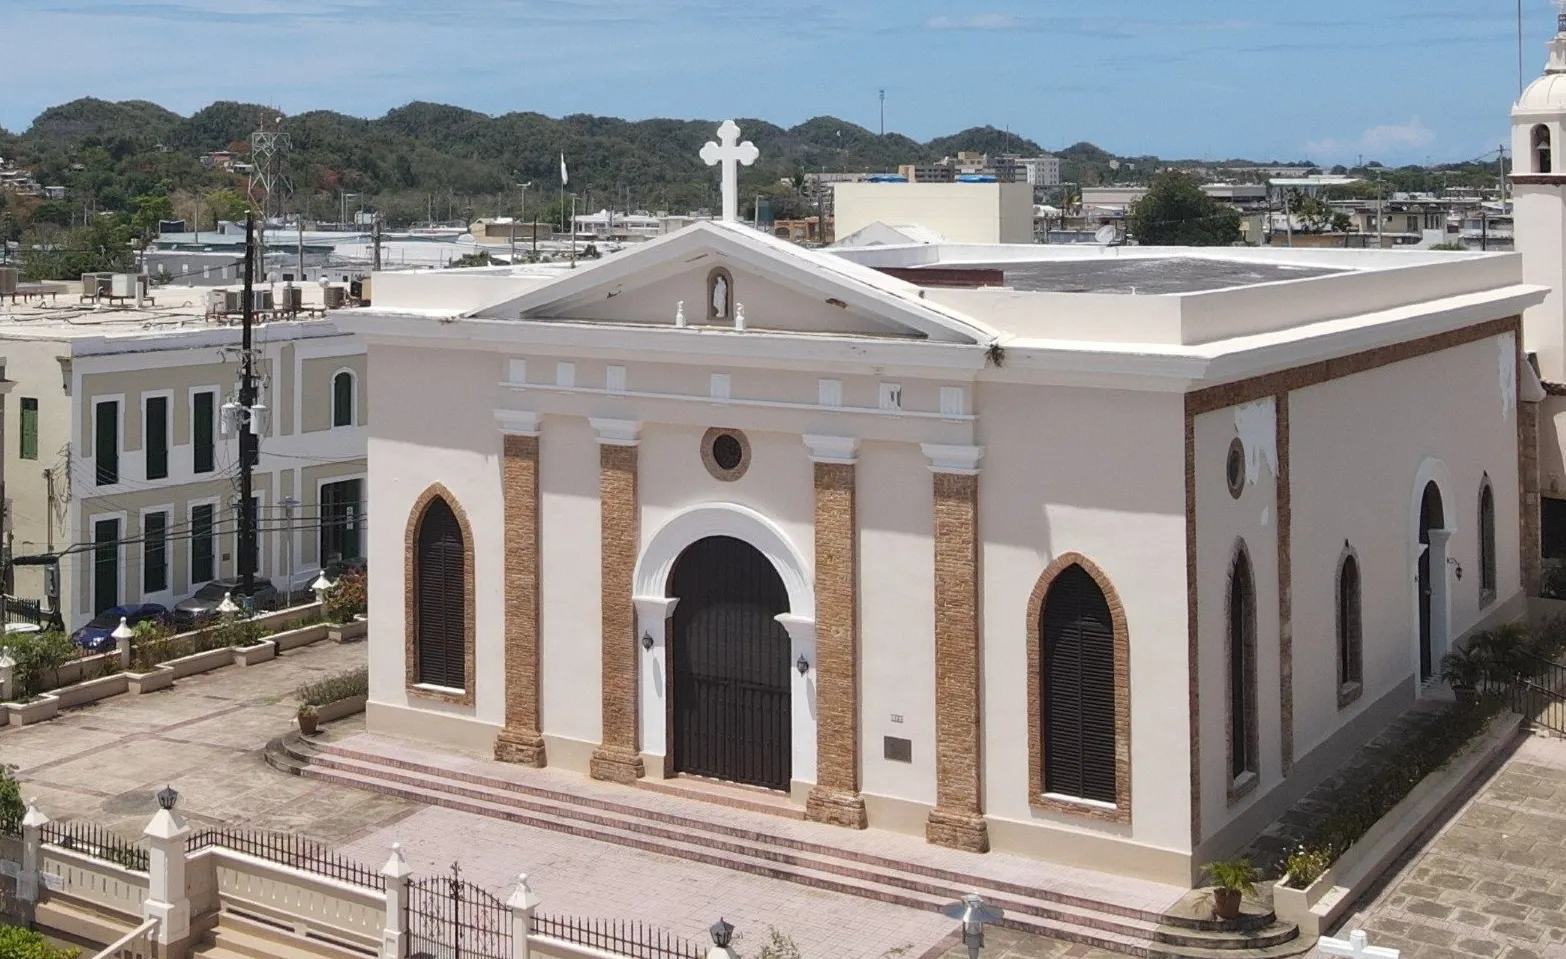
(1430, 750)
(347, 685)
(779, 946)
(1553, 585)
(1305, 865)
(237, 631)
(347, 598)
(19, 943)
(39, 657)
(1237, 875)
(12, 808)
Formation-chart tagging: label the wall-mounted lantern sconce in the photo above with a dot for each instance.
(803, 665)
(1457, 568)
(647, 640)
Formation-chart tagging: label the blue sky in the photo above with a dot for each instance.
(1394, 80)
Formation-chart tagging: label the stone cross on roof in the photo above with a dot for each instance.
(730, 152)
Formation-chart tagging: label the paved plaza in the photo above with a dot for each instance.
(105, 761)
(1491, 881)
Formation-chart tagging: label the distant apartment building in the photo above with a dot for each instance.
(1041, 170)
(926, 173)
(118, 463)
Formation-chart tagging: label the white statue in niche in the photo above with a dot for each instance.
(720, 297)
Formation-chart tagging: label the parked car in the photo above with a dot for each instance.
(337, 566)
(202, 608)
(97, 636)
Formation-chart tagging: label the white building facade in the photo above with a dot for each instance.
(936, 559)
(119, 465)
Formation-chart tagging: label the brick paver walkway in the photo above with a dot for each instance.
(582, 877)
(1491, 882)
(104, 762)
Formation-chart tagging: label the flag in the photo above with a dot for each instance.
(564, 178)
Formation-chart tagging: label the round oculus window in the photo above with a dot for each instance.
(726, 454)
(1234, 468)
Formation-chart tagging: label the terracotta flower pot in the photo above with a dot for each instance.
(1226, 903)
(307, 724)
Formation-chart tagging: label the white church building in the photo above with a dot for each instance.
(1103, 556)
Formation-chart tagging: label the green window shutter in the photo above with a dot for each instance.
(29, 429)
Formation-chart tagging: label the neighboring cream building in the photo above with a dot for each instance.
(984, 565)
(113, 436)
(961, 212)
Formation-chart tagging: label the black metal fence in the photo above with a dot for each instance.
(32, 611)
(288, 850)
(451, 918)
(634, 939)
(1543, 707)
(97, 842)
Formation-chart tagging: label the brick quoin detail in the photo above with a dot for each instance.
(521, 740)
(1528, 504)
(618, 759)
(957, 820)
(1122, 639)
(410, 613)
(1285, 585)
(835, 798)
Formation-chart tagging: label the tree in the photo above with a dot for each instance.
(19, 943)
(1175, 212)
(150, 209)
(228, 205)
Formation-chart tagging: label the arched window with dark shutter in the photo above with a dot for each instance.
(342, 399)
(440, 598)
(1350, 630)
(1486, 543)
(1078, 687)
(1242, 667)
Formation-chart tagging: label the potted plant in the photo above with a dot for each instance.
(1231, 879)
(308, 719)
(1462, 669)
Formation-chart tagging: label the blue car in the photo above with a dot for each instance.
(96, 636)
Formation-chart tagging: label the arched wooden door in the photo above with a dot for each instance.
(730, 715)
(1431, 516)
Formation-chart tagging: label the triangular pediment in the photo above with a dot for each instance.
(780, 287)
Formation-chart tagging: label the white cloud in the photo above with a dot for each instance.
(980, 21)
(1393, 139)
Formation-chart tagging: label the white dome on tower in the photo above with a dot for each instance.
(1548, 93)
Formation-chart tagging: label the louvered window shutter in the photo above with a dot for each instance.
(1079, 689)
(440, 617)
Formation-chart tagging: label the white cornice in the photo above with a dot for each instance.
(842, 450)
(518, 422)
(709, 400)
(963, 460)
(617, 432)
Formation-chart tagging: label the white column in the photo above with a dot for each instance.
(802, 694)
(166, 899)
(652, 619)
(523, 903)
(32, 844)
(1440, 598)
(394, 935)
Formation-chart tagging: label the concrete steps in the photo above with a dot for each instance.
(1041, 911)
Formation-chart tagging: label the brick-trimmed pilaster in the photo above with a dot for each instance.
(618, 759)
(521, 740)
(1528, 503)
(415, 689)
(958, 818)
(835, 798)
(1285, 494)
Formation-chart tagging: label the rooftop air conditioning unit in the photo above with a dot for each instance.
(262, 300)
(293, 299)
(334, 296)
(122, 284)
(7, 280)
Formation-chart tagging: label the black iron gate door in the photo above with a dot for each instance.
(731, 707)
(449, 917)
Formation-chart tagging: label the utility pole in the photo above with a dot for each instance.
(375, 236)
(573, 231)
(249, 441)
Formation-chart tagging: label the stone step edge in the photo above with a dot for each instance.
(675, 788)
(1273, 934)
(944, 875)
(1059, 929)
(621, 832)
(1297, 947)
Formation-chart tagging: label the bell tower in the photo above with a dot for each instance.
(1539, 203)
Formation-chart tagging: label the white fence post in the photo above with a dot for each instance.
(523, 903)
(7, 674)
(32, 845)
(394, 936)
(167, 900)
